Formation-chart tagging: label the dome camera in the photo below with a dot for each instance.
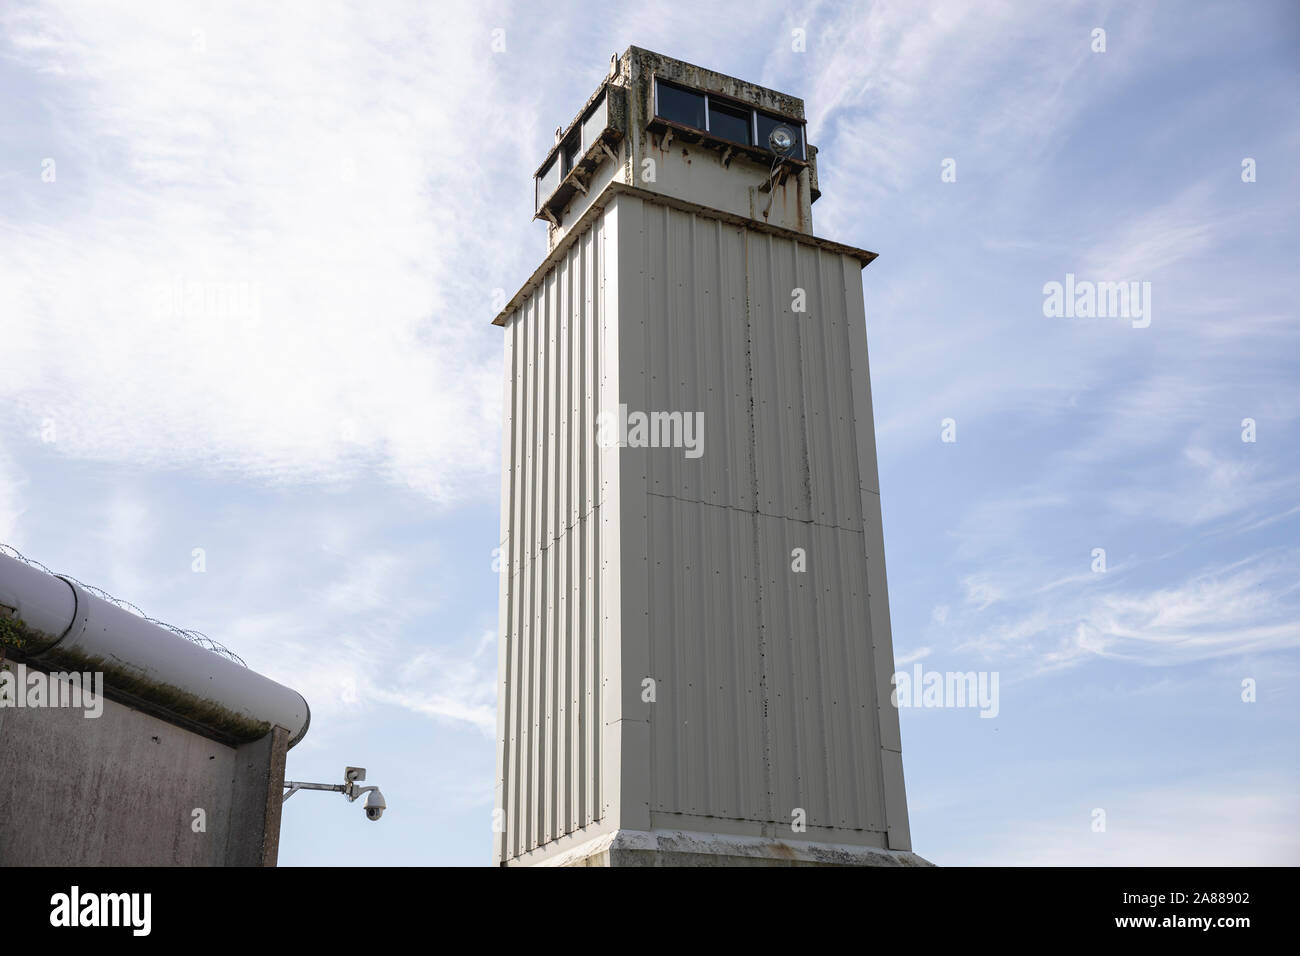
(375, 805)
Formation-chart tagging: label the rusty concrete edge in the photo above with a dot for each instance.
(615, 189)
(577, 120)
(275, 796)
(681, 845)
(647, 63)
(785, 105)
(175, 715)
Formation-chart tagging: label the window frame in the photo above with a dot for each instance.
(559, 155)
(703, 94)
(730, 102)
(728, 105)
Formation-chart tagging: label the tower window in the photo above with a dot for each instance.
(548, 181)
(576, 149)
(572, 149)
(679, 105)
(725, 120)
(729, 123)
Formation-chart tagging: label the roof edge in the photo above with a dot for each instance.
(615, 189)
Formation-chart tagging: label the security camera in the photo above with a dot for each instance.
(352, 777)
(375, 805)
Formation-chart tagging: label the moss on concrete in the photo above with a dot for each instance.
(17, 639)
(128, 687)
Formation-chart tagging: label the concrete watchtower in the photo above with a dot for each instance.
(695, 653)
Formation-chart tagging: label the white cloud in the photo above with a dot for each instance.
(345, 664)
(910, 657)
(981, 591)
(1234, 610)
(365, 585)
(268, 249)
(899, 87)
(461, 687)
(1215, 825)
(1142, 247)
(1249, 606)
(10, 502)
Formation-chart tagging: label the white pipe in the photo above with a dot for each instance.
(71, 629)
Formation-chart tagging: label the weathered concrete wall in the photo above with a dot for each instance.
(693, 172)
(673, 847)
(121, 790)
(698, 174)
(253, 837)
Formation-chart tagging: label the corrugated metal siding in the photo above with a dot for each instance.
(768, 690)
(820, 676)
(549, 763)
(767, 687)
(708, 739)
(696, 356)
(805, 444)
(719, 300)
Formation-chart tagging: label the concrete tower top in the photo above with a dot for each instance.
(692, 134)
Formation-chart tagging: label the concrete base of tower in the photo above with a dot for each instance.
(692, 848)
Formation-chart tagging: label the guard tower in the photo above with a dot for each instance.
(695, 652)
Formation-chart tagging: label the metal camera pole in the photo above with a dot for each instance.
(374, 805)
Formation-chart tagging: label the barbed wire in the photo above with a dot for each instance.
(194, 637)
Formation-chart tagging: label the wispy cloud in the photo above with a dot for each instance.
(267, 258)
(911, 657)
(1189, 825)
(263, 271)
(462, 687)
(1245, 607)
(10, 501)
(347, 663)
(1144, 246)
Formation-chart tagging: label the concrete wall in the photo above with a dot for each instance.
(691, 172)
(698, 174)
(121, 790)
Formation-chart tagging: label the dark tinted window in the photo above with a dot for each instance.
(767, 123)
(680, 106)
(572, 149)
(728, 122)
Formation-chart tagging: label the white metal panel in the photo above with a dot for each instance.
(768, 697)
(549, 697)
(697, 349)
(709, 755)
(820, 676)
(641, 562)
(627, 634)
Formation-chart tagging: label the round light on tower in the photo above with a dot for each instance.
(781, 139)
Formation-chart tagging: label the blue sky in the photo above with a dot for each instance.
(245, 309)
